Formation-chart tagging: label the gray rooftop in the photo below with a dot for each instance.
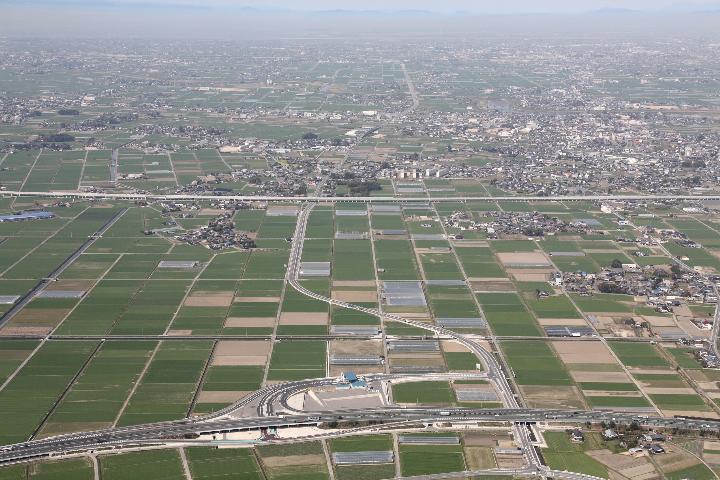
(468, 322)
(569, 331)
(476, 395)
(185, 264)
(363, 458)
(8, 299)
(354, 329)
(404, 293)
(315, 269)
(356, 360)
(60, 294)
(351, 213)
(414, 346)
(429, 439)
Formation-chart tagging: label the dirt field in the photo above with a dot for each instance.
(209, 299)
(257, 299)
(523, 258)
(657, 321)
(249, 322)
(282, 208)
(304, 318)
(634, 468)
(242, 347)
(530, 274)
(560, 322)
(552, 397)
(353, 283)
(210, 212)
(583, 352)
(675, 459)
(240, 352)
(179, 333)
(25, 330)
(39, 316)
(479, 458)
(610, 377)
(499, 285)
(356, 347)
(470, 243)
(294, 460)
(690, 413)
(72, 285)
(669, 391)
(480, 439)
(355, 296)
(220, 397)
(449, 346)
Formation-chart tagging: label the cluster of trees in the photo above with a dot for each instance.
(58, 138)
(68, 111)
(362, 188)
(610, 287)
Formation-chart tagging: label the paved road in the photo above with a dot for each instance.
(169, 432)
(378, 199)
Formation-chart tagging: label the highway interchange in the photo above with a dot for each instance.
(269, 401)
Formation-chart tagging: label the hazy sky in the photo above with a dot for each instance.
(225, 19)
(479, 6)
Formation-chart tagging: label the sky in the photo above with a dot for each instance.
(231, 19)
(445, 6)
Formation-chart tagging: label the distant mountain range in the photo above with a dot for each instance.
(249, 9)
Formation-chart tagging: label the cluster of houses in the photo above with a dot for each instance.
(512, 224)
(219, 234)
(662, 288)
(707, 358)
(650, 441)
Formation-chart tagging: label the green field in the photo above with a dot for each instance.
(156, 464)
(638, 354)
(431, 459)
(535, 363)
(424, 393)
(562, 454)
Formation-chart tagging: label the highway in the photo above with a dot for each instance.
(150, 197)
(170, 432)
